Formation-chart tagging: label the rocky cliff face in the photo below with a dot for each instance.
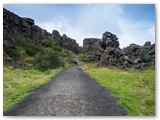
(137, 53)
(106, 52)
(66, 42)
(25, 26)
(91, 45)
(12, 23)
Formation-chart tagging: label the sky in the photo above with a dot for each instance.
(132, 23)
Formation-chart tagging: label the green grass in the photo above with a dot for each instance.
(42, 61)
(18, 83)
(43, 55)
(135, 89)
(85, 58)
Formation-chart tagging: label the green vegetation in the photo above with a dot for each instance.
(25, 44)
(85, 58)
(18, 83)
(145, 57)
(49, 43)
(44, 55)
(13, 53)
(135, 89)
(43, 61)
(48, 61)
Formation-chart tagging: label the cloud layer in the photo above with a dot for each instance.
(94, 20)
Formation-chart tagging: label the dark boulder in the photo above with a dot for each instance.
(12, 23)
(29, 21)
(57, 37)
(70, 44)
(66, 42)
(9, 61)
(109, 39)
(9, 42)
(106, 52)
(147, 44)
(91, 45)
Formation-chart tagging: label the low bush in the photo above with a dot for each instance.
(48, 61)
(145, 57)
(32, 49)
(44, 55)
(13, 53)
(85, 58)
(29, 46)
(49, 42)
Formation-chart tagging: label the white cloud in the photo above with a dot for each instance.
(135, 32)
(94, 20)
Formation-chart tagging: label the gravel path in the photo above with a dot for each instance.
(70, 93)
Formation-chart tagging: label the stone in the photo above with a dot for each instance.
(91, 45)
(138, 66)
(134, 51)
(29, 21)
(57, 37)
(125, 64)
(70, 44)
(10, 43)
(9, 61)
(109, 39)
(137, 60)
(66, 42)
(106, 51)
(12, 23)
(148, 43)
(126, 58)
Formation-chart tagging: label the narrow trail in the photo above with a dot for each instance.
(70, 93)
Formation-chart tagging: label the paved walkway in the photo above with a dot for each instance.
(70, 93)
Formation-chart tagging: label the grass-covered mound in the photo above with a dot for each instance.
(134, 89)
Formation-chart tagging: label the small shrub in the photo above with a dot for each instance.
(29, 46)
(48, 61)
(32, 49)
(49, 42)
(57, 48)
(86, 58)
(145, 57)
(13, 53)
(19, 39)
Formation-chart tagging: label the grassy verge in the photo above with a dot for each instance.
(135, 89)
(18, 83)
(42, 61)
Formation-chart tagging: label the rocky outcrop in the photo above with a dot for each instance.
(66, 42)
(8, 41)
(132, 50)
(57, 37)
(9, 61)
(145, 53)
(12, 23)
(112, 55)
(106, 52)
(91, 45)
(109, 39)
